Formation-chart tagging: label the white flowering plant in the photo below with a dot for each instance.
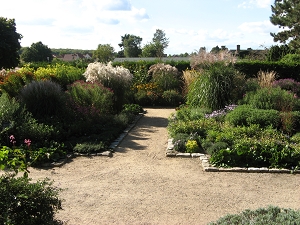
(118, 78)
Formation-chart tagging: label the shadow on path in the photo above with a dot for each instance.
(145, 127)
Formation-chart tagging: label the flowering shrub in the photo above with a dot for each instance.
(118, 78)
(191, 146)
(289, 85)
(13, 81)
(90, 98)
(60, 73)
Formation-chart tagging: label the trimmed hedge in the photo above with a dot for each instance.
(284, 70)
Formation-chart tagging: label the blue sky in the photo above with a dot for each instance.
(189, 24)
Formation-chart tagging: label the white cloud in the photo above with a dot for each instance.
(256, 3)
(257, 27)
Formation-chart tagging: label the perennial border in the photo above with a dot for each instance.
(207, 167)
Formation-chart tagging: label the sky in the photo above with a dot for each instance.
(188, 24)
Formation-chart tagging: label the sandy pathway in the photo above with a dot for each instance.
(139, 185)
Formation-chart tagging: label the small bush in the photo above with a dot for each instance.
(88, 148)
(23, 202)
(14, 81)
(245, 115)
(271, 216)
(133, 108)
(272, 98)
(43, 98)
(288, 84)
(172, 98)
(90, 98)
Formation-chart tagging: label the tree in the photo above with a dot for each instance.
(160, 41)
(149, 50)
(37, 52)
(104, 53)
(215, 49)
(286, 15)
(9, 43)
(131, 45)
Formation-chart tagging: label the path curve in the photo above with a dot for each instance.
(140, 185)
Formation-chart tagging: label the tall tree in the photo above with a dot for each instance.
(149, 50)
(37, 52)
(285, 14)
(161, 42)
(9, 43)
(104, 53)
(131, 45)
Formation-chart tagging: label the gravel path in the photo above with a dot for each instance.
(140, 185)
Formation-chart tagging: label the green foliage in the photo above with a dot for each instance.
(213, 89)
(133, 108)
(89, 147)
(104, 53)
(131, 45)
(60, 73)
(37, 52)
(271, 216)
(272, 98)
(284, 70)
(291, 58)
(25, 202)
(43, 98)
(267, 149)
(245, 115)
(90, 98)
(285, 15)
(276, 53)
(172, 98)
(14, 81)
(9, 43)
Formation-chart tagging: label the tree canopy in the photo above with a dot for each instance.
(131, 45)
(104, 53)
(37, 52)
(285, 14)
(9, 43)
(161, 42)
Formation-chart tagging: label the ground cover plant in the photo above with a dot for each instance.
(271, 215)
(258, 128)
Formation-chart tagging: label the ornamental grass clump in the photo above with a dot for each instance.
(118, 78)
(165, 76)
(266, 79)
(204, 59)
(213, 88)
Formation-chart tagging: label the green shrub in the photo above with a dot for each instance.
(90, 98)
(14, 81)
(245, 115)
(272, 98)
(14, 119)
(24, 202)
(269, 150)
(60, 73)
(133, 108)
(43, 98)
(291, 58)
(213, 89)
(210, 148)
(262, 216)
(172, 98)
(88, 148)
(142, 98)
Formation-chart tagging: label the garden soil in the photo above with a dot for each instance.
(140, 185)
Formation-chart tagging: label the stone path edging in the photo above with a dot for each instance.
(207, 167)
